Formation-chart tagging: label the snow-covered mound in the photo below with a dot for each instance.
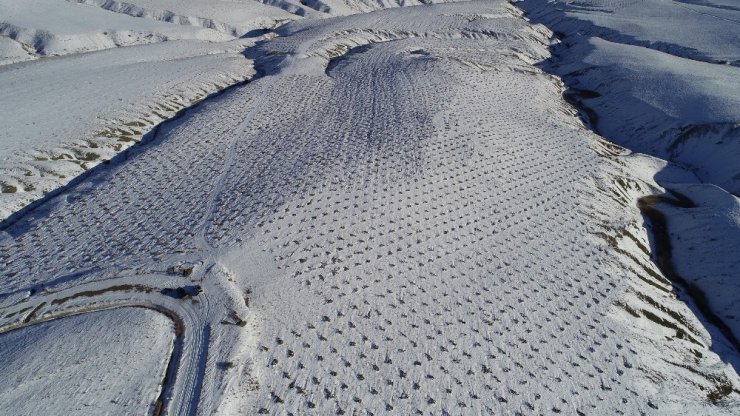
(400, 215)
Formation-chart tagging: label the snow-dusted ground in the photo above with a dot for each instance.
(401, 214)
(111, 361)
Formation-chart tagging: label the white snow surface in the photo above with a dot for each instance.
(235, 18)
(699, 30)
(12, 51)
(399, 215)
(110, 362)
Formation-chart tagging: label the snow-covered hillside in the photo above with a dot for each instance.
(674, 94)
(98, 105)
(400, 213)
(98, 95)
(655, 89)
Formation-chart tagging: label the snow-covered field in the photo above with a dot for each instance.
(110, 361)
(118, 69)
(68, 107)
(401, 213)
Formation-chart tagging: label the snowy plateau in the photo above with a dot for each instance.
(369, 207)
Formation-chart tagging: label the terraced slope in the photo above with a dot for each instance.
(103, 73)
(401, 215)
